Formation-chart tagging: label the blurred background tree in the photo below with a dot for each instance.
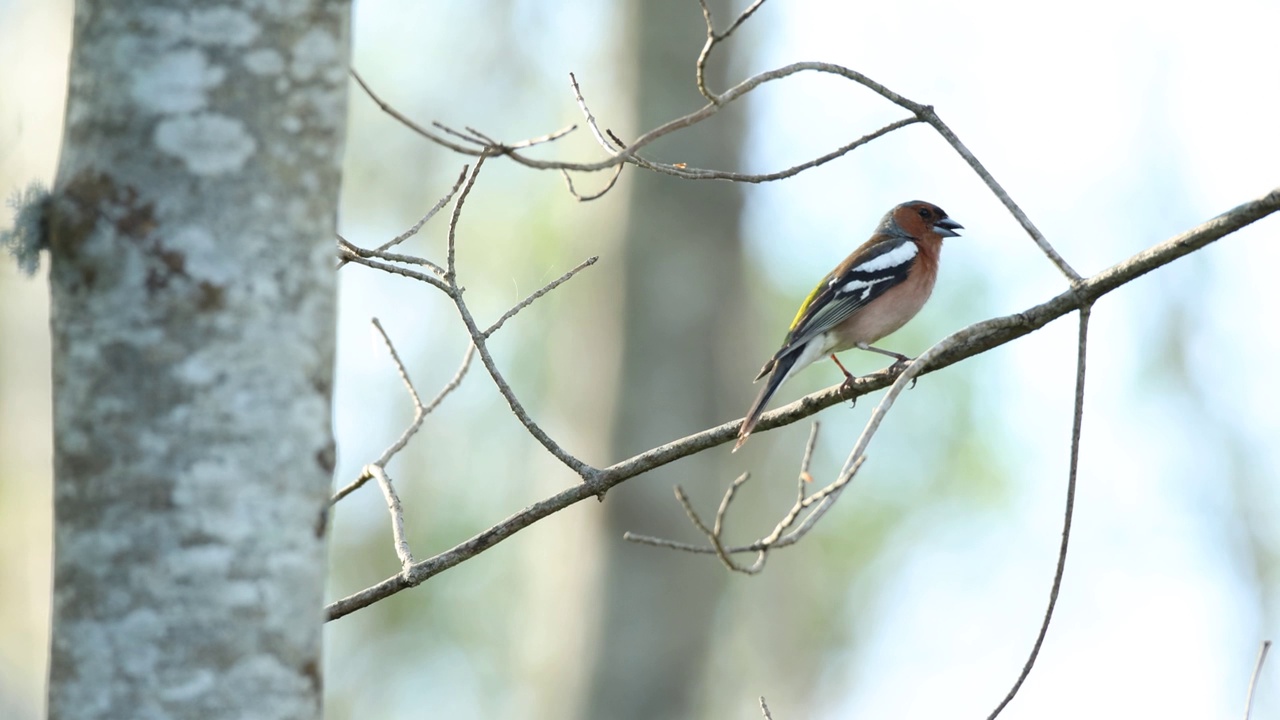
(920, 595)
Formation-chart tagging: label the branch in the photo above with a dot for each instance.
(1253, 681)
(713, 39)
(378, 252)
(397, 516)
(479, 337)
(350, 253)
(629, 153)
(965, 343)
(420, 412)
(775, 539)
(546, 289)
(1072, 475)
(929, 116)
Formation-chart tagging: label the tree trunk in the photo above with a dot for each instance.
(193, 304)
(682, 290)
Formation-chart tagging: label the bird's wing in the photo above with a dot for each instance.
(866, 275)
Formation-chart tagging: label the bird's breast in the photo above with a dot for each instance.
(886, 313)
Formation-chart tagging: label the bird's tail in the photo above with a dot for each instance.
(777, 374)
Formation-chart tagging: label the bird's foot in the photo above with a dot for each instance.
(899, 365)
(847, 385)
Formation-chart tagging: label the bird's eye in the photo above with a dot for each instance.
(924, 213)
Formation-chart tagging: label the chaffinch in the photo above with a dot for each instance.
(875, 291)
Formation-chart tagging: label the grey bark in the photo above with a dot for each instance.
(193, 304)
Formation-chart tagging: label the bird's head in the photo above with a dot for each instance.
(918, 219)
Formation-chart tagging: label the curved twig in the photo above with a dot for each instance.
(1072, 475)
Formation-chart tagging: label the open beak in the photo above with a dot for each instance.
(946, 227)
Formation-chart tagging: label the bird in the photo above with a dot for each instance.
(875, 291)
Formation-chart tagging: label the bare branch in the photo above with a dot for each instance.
(713, 534)
(689, 173)
(591, 119)
(629, 154)
(404, 120)
(965, 343)
(1253, 681)
(545, 289)
(417, 226)
(932, 118)
(350, 253)
(776, 538)
(470, 135)
(764, 709)
(600, 138)
(782, 534)
(454, 382)
(543, 139)
(478, 339)
(613, 180)
(713, 39)
(397, 516)
(420, 411)
(347, 248)
(1072, 474)
(451, 273)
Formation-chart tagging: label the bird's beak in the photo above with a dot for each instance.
(946, 227)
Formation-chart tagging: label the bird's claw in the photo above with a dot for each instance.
(899, 366)
(847, 386)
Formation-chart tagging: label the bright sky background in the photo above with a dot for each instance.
(1115, 125)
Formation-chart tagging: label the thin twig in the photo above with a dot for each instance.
(629, 153)
(470, 136)
(600, 138)
(596, 132)
(965, 343)
(1072, 475)
(404, 120)
(714, 533)
(420, 411)
(613, 180)
(542, 139)
(346, 253)
(764, 709)
(397, 516)
(782, 535)
(478, 339)
(347, 248)
(693, 173)
(545, 289)
(1253, 681)
(713, 39)
(949, 135)
(418, 225)
(451, 272)
(579, 467)
(454, 382)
